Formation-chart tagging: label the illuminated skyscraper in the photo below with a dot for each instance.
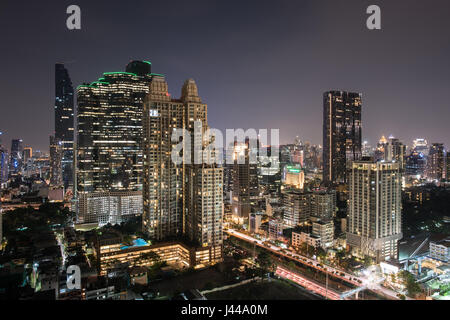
(436, 162)
(64, 121)
(374, 210)
(109, 135)
(179, 198)
(341, 134)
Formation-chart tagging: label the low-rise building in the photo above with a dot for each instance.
(440, 250)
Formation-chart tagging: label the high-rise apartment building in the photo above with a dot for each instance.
(64, 121)
(341, 134)
(180, 198)
(374, 211)
(436, 162)
(109, 135)
(415, 164)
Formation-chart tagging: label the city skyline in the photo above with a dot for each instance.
(398, 72)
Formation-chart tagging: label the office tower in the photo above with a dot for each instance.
(294, 176)
(420, 145)
(296, 207)
(374, 209)
(64, 121)
(341, 134)
(380, 151)
(56, 154)
(16, 161)
(109, 132)
(395, 151)
(180, 198)
(323, 205)
(436, 162)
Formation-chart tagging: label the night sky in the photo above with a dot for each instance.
(258, 64)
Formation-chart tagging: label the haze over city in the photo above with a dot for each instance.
(264, 68)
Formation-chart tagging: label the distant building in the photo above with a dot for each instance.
(415, 164)
(374, 210)
(16, 156)
(436, 162)
(420, 145)
(395, 151)
(4, 167)
(294, 176)
(324, 231)
(341, 134)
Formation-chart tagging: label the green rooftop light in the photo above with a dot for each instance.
(157, 74)
(148, 62)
